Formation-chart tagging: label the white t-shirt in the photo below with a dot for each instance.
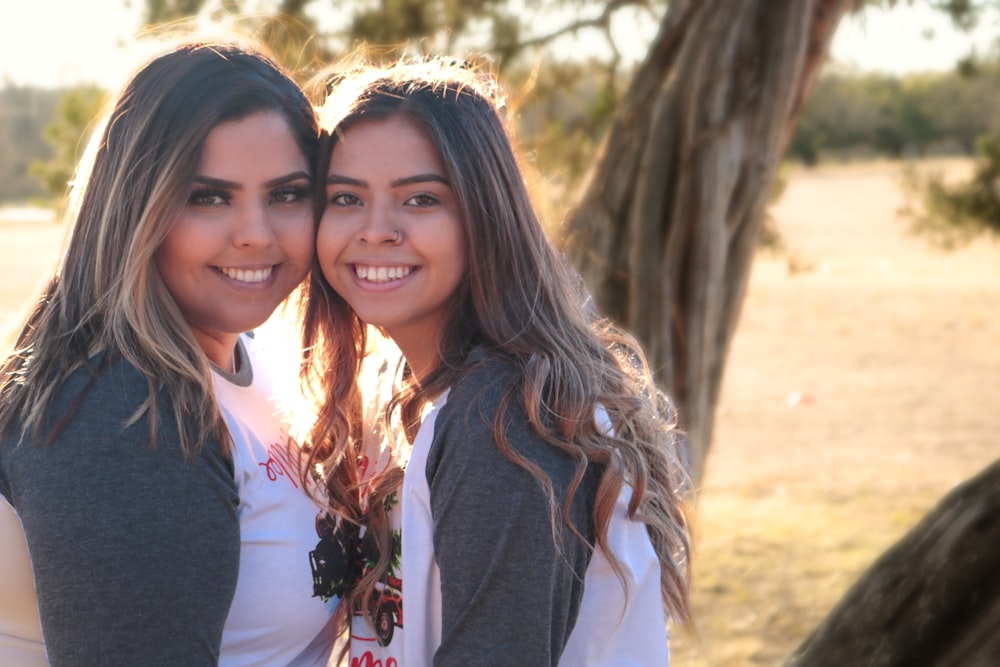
(277, 616)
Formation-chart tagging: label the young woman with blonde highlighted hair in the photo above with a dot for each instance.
(142, 441)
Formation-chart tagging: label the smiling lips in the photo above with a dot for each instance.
(247, 275)
(381, 274)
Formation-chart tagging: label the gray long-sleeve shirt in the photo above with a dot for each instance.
(135, 550)
(509, 596)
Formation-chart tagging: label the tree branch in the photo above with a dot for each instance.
(603, 21)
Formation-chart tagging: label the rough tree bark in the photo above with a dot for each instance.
(932, 600)
(665, 231)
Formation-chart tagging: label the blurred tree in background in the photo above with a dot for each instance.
(24, 112)
(951, 214)
(862, 115)
(956, 212)
(67, 135)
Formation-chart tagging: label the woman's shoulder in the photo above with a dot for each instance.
(108, 376)
(108, 395)
(486, 391)
(486, 375)
(478, 392)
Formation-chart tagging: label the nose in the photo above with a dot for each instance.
(253, 227)
(379, 225)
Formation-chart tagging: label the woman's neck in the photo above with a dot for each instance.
(422, 353)
(220, 350)
(421, 362)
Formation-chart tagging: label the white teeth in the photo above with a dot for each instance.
(381, 274)
(247, 275)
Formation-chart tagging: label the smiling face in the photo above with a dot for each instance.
(244, 239)
(391, 240)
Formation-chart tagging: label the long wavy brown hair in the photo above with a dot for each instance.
(571, 362)
(107, 297)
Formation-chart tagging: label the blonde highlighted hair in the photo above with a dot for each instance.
(107, 299)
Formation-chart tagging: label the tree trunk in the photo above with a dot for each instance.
(932, 600)
(665, 231)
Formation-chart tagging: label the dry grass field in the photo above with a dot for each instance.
(861, 386)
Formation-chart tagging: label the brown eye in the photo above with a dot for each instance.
(345, 199)
(208, 197)
(289, 195)
(422, 200)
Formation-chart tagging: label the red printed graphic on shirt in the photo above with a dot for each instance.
(281, 462)
(366, 659)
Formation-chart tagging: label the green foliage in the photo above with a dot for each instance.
(67, 134)
(770, 237)
(24, 111)
(951, 214)
(955, 112)
(329, 29)
(877, 114)
(562, 112)
(965, 14)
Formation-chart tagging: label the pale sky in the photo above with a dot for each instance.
(62, 42)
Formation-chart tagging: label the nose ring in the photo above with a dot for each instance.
(398, 236)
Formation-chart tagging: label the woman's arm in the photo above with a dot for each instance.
(135, 550)
(20, 628)
(509, 595)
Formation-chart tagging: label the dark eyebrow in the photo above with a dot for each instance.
(419, 178)
(216, 182)
(288, 178)
(230, 185)
(336, 179)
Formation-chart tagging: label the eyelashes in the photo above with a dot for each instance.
(345, 199)
(209, 197)
(422, 200)
(290, 194)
